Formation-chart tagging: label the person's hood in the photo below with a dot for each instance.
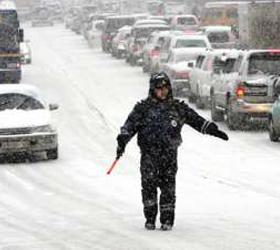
(154, 82)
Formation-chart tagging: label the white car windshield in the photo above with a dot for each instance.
(186, 57)
(19, 101)
(190, 43)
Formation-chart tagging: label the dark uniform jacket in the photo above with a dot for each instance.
(159, 123)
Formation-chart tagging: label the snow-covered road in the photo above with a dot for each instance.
(228, 193)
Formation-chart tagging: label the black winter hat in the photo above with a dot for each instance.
(157, 80)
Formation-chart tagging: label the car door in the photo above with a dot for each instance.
(164, 52)
(206, 76)
(276, 114)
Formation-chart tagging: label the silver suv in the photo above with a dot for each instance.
(243, 91)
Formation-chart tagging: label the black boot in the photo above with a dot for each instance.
(167, 226)
(150, 224)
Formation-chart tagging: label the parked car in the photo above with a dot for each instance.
(247, 95)
(41, 17)
(274, 115)
(184, 22)
(25, 122)
(180, 39)
(138, 40)
(151, 50)
(25, 51)
(203, 75)
(119, 47)
(220, 36)
(111, 26)
(178, 69)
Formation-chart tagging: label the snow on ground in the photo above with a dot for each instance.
(228, 196)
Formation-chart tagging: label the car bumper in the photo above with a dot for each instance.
(241, 106)
(7, 75)
(28, 143)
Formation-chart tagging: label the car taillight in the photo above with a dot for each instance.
(154, 52)
(134, 48)
(182, 75)
(240, 91)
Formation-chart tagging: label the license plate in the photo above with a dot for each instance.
(12, 65)
(14, 144)
(257, 91)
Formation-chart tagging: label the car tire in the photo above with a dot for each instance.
(231, 119)
(199, 103)
(52, 154)
(274, 137)
(216, 115)
(118, 55)
(145, 68)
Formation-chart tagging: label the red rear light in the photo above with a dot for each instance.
(182, 75)
(154, 52)
(134, 48)
(240, 92)
(274, 52)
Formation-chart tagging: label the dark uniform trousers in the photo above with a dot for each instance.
(158, 170)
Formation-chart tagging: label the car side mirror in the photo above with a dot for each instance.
(277, 88)
(217, 70)
(21, 35)
(190, 64)
(53, 106)
(157, 48)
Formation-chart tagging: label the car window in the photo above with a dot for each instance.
(190, 43)
(229, 66)
(19, 101)
(264, 63)
(208, 64)
(218, 37)
(237, 64)
(186, 21)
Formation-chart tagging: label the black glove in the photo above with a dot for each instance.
(122, 141)
(120, 151)
(213, 129)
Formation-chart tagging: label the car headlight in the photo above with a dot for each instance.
(45, 128)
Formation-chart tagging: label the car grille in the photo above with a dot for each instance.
(15, 131)
(256, 90)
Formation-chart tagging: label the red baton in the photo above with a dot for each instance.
(112, 167)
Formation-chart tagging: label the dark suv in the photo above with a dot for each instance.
(111, 26)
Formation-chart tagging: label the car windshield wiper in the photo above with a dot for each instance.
(21, 104)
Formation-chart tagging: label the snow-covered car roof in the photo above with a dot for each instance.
(183, 51)
(148, 21)
(119, 17)
(152, 26)
(218, 28)
(185, 16)
(24, 89)
(192, 36)
(125, 28)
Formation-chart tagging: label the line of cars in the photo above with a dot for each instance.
(238, 86)
(241, 87)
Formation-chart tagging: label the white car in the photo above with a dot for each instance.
(220, 36)
(26, 122)
(178, 70)
(181, 39)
